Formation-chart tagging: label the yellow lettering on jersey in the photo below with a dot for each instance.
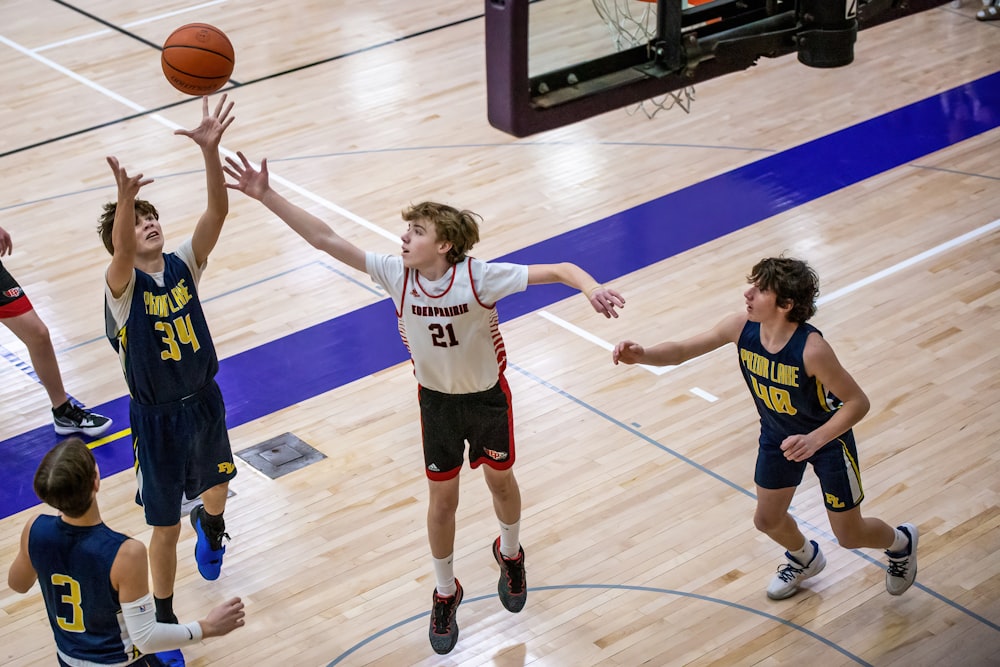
(776, 400)
(762, 393)
(226, 467)
(162, 305)
(786, 375)
(833, 501)
(757, 364)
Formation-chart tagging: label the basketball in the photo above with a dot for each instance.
(197, 59)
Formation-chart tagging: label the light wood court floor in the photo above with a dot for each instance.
(637, 487)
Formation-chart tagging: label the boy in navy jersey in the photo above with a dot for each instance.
(446, 308)
(157, 326)
(93, 579)
(808, 404)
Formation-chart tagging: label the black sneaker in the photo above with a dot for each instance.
(444, 623)
(71, 418)
(511, 588)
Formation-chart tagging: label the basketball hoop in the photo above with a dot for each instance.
(633, 23)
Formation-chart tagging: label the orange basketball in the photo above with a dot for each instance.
(197, 59)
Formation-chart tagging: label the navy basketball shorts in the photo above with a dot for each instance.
(835, 464)
(13, 300)
(484, 419)
(182, 449)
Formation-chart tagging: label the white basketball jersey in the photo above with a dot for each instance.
(450, 325)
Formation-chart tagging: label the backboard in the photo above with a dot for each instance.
(550, 63)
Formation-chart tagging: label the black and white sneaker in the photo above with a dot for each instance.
(69, 418)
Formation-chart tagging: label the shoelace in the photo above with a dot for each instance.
(897, 568)
(787, 572)
(515, 574)
(217, 544)
(75, 413)
(442, 614)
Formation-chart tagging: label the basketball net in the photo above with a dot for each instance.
(633, 23)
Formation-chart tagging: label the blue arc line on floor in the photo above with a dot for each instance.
(279, 374)
(619, 587)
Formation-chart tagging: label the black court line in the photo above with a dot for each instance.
(232, 84)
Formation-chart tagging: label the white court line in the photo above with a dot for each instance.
(325, 203)
(151, 19)
(836, 294)
(599, 342)
(906, 263)
(701, 393)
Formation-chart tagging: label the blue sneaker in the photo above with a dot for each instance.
(209, 550)
(171, 658)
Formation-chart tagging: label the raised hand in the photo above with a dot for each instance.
(249, 181)
(605, 300)
(209, 132)
(128, 186)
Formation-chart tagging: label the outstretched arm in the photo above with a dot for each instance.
(256, 184)
(671, 353)
(208, 135)
(123, 229)
(129, 576)
(603, 299)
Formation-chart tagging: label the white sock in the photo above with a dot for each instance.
(444, 572)
(509, 539)
(901, 543)
(805, 554)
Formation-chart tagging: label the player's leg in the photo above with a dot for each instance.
(838, 470)
(512, 586)
(444, 449)
(20, 317)
(67, 417)
(491, 443)
(777, 479)
(31, 331)
(441, 510)
(210, 468)
(803, 558)
(163, 569)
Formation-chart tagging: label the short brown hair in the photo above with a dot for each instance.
(65, 477)
(792, 281)
(459, 228)
(106, 222)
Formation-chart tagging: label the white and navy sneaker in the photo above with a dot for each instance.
(791, 575)
(902, 569)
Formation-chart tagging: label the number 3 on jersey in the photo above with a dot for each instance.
(179, 332)
(443, 336)
(72, 597)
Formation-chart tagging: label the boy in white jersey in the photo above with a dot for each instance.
(445, 302)
(808, 405)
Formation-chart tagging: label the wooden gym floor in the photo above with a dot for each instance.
(637, 486)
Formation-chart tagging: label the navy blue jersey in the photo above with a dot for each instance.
(165, 347)
(789, 401)
(74, 572)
